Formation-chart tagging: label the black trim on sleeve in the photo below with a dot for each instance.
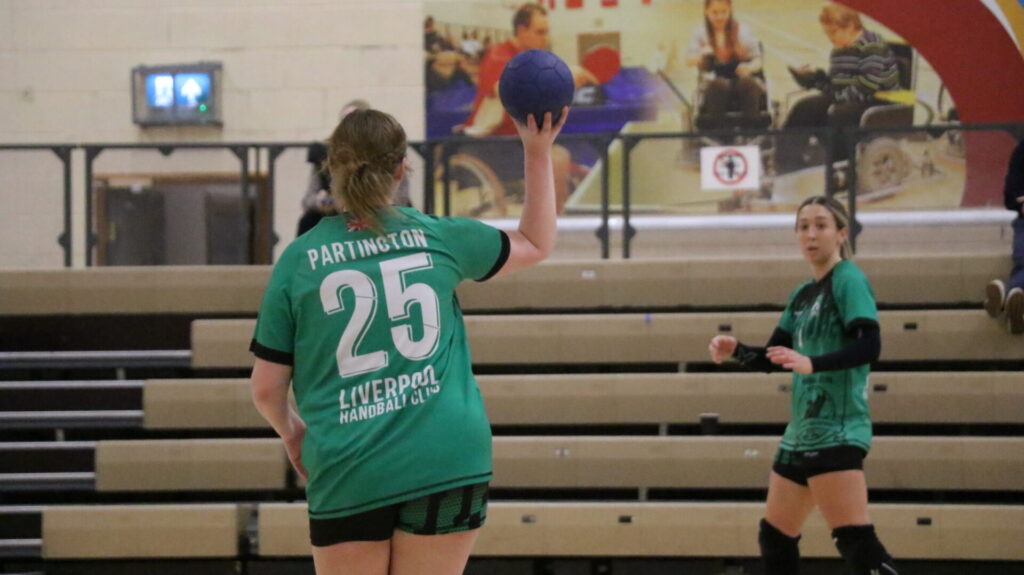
(851, 328)
(864, 349)
(755, 358)
(506, 248)
(263, 352)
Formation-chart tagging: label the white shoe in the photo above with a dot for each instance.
(1015, 311)
(995, 295)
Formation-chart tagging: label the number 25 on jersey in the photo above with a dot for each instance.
(399, 296)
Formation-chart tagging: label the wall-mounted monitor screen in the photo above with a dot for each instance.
(176, 94)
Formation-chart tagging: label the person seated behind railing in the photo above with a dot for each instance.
(861, 64)
(997, 300)
(728, 56)
(317, 203)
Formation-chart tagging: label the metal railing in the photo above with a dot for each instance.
(441, 151)
(63, 153)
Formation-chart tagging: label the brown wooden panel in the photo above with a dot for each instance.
(199, 404)
(129, 290)
(283, 529)
(190, 464)
(906, 463)
(222, 343)
(935, 335)
(701, 281)
(983, 397)
(679, 398)
(634, 398)
(946, 335)
(709, 281)
(606, 338)
(141, 531)
(724, 529)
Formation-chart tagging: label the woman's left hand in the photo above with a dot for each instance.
(293, 444)
(790, 360)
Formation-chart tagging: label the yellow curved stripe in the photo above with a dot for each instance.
(1014, 13)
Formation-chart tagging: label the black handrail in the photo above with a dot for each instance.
(442, 149)
(63, 152)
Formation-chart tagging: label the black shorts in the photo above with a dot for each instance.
(458, 509)
(799, 466)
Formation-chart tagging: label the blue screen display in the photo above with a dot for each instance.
(176, 94)
(191, 90)
(160, 90)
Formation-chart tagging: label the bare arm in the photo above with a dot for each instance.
(270, 383)
(534, 240)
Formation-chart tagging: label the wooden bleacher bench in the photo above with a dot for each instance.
(663, 529)
(142, 531)
(977, 397)
(938, 279)
(742, 462)
(133, 290)
(723, 281)
(199, 404)
(915, 335)
(190, 465)
(727, 462)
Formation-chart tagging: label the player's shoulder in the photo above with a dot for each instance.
(417, 217)
(847, 271)
(404, 217)
(849, 280)
(438, 226)
(299, 244)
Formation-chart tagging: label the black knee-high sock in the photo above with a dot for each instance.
(780, 553)
(863, 552)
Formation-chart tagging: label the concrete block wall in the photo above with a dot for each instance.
(289, 65)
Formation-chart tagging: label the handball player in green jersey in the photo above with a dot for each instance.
(828, 336)
(360, 317)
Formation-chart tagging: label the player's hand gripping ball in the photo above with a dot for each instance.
(535, 82)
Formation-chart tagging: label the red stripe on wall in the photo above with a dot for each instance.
(980, 65)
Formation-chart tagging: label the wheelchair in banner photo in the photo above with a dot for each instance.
(485, 175)
(727, 100)
(884, 161)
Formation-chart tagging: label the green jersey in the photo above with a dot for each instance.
(382, 373)
(829, 408)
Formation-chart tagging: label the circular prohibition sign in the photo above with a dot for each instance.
(730, 167)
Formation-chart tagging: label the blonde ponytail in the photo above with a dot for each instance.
(364, 152)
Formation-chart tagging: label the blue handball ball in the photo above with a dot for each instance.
(536, 82)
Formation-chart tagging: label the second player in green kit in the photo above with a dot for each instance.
(828, 336)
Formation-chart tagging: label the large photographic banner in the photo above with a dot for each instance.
(763, 73)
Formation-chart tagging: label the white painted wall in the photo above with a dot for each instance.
(288, 66)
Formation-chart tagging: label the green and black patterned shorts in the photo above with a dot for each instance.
(451, 511)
